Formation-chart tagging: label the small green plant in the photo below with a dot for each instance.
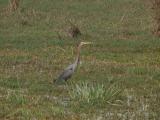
(91, 94)
(16, 97)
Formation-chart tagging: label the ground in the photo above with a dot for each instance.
(35, 48)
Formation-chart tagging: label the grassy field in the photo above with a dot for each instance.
(35, 47)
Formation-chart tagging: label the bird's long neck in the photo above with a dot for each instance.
(78, 55)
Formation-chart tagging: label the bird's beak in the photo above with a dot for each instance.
(85, 43)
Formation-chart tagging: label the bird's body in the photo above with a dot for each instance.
(69, 71)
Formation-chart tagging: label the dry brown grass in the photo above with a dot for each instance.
(14, 5)
(14, 52)
(156, 10)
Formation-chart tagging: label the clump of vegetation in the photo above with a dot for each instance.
(16, 97)
(156, 10)
(93, 95)
(73, 31)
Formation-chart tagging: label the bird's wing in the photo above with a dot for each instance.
(67, 73)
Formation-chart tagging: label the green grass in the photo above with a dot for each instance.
(86, 95)
(34, 48)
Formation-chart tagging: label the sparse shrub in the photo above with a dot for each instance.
(89, 94)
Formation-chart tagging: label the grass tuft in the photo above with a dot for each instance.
(93, 94)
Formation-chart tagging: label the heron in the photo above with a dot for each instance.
(69, 71)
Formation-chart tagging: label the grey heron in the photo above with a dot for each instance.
(69, 71)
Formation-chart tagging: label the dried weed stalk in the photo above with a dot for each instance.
(156, 12)
(14, 5)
